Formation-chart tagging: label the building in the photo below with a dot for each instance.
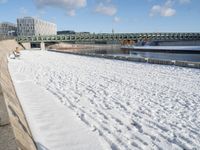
(7, 29)
(66, 32)
(29, 26)
(84, 32)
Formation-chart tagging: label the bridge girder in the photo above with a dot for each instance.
(111, 37)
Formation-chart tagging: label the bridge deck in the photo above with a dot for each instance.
(110, 38)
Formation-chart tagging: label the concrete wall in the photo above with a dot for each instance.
(14, 131)
(137, 59)
(89, 48)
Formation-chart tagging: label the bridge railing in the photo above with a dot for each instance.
(111, 37)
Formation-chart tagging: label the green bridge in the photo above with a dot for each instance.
(106, 38)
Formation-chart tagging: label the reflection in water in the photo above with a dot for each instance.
(168, 56)
(157, 55)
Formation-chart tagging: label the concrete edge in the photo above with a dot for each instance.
(187, 64)
(14, 130)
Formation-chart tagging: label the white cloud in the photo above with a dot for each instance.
(167, 12)
(116, 19)
(169, 3)
(71, 12)
(69, 5)
(164, 11)
(23, 11)
(167, 9)
(109, 10)
(184, 1)
(172, 2)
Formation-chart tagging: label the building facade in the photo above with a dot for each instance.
(7, 29)
(66, 32)
(29, 26)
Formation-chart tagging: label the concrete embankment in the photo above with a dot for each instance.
(14, 131)
(86, 48)
(137, 59)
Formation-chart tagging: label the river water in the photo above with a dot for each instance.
(167, 56)
(156, 55)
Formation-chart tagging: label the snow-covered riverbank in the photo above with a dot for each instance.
(116, 104)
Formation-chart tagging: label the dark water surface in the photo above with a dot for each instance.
(168, 56)
(157, 55)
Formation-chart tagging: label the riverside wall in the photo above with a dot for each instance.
(14, 130)
(187, 64)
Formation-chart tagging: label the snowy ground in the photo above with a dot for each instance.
(113, 104)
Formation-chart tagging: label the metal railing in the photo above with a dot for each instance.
(109, 37)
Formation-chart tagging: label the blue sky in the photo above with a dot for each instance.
(104, 15)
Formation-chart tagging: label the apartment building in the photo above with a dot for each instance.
(7, 29)
(29, 26)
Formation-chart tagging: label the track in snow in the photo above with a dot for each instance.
(130, 105)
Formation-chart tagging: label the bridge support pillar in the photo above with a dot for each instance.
(42, 46)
